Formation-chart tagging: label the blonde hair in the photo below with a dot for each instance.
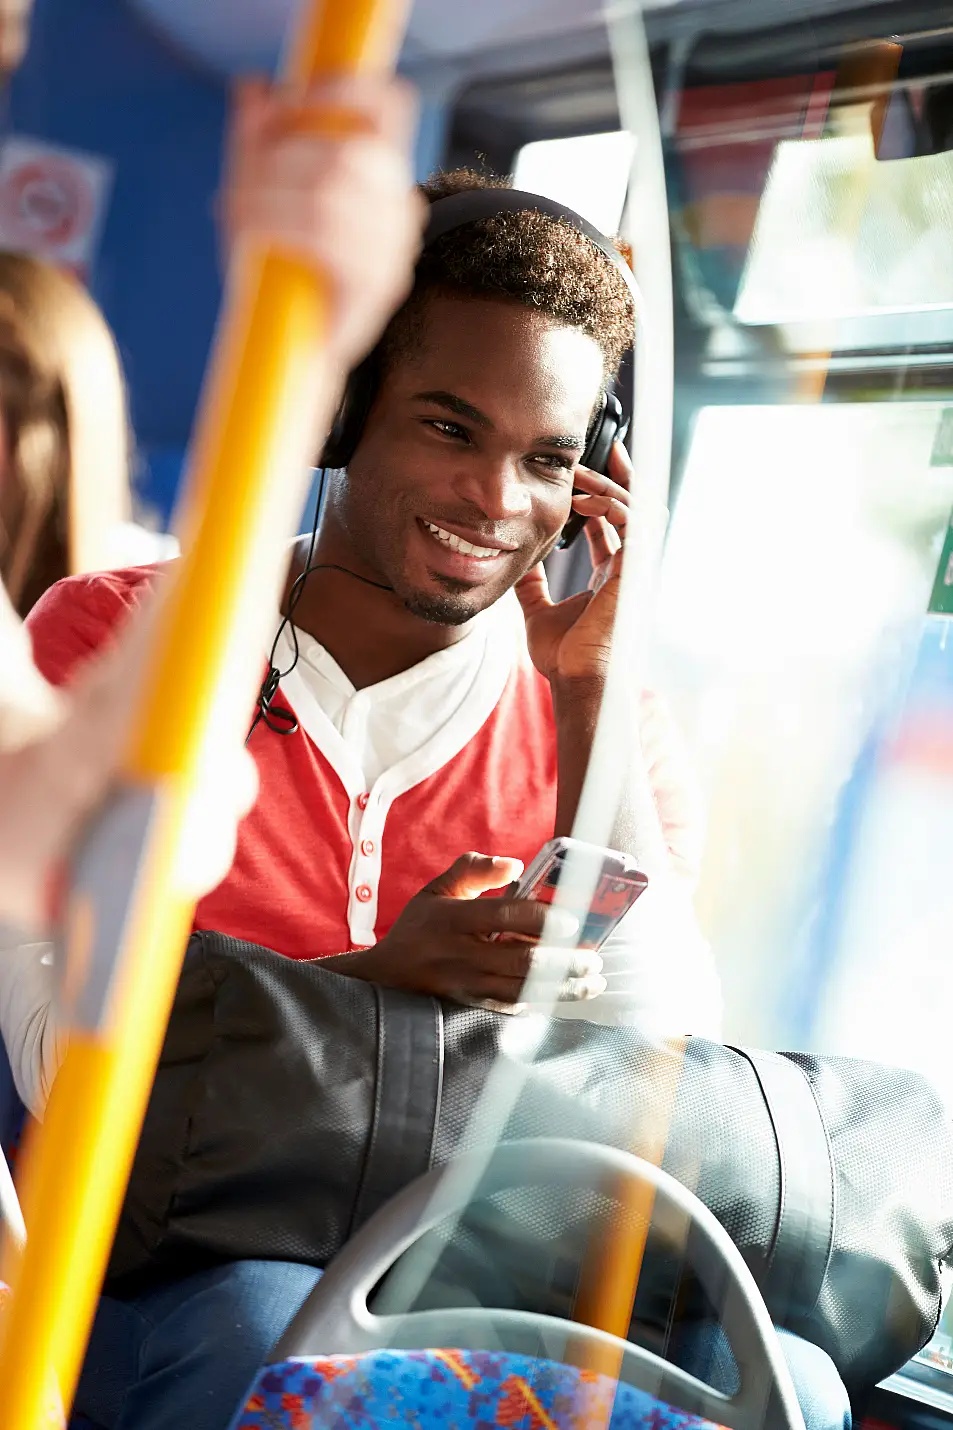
(65, 487)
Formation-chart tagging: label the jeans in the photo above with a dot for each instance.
(185, 1353)
(703, 1351)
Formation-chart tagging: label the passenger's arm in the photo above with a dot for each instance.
(658, 966)
(665, 964)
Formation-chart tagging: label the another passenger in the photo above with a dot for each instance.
(64, 434)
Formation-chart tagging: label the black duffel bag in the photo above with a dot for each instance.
(291, 1102)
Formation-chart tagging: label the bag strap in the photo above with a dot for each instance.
(801, 1248)
(407, 1095)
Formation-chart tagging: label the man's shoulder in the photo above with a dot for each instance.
(78, 615)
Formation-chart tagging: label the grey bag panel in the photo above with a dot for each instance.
(893, 1160)
(252, 1028)
(158, 1170)
(291, 1101)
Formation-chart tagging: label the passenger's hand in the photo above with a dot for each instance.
(450, 943)
(50, 787)
(572, 641)
(329, 178)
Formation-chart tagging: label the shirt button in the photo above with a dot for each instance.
(364, 892)
(367, 847)
(362, 800)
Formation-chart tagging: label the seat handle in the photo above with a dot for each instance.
(336, 1318)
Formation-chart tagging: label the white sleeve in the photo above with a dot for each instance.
(658, 966)
(34, 1043)
(659, 970)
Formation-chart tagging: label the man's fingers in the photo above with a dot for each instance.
(475, 874)
(558, 964)
(386, 108)
(504, 992)
(610, 508)
(532, 591)
(551, 979)
(596, 484)
(603, 542)
(620, 466)
(606, 505)
(505, 917)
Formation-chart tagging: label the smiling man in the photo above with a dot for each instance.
(422, 713)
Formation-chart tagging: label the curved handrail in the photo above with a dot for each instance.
(336, 1318)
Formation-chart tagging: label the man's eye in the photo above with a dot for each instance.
(448, 429)
(556, 464)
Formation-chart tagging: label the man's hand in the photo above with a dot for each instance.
(328, 177)
(571, 643)
(450, 943)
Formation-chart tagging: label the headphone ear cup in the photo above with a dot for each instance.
(348, 427)
(335, 443)
(608, 426)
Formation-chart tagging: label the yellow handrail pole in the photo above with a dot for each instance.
(128, 919)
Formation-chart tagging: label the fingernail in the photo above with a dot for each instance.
(516, 865)
(561, 923)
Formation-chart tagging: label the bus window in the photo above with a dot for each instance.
(800, 561)
(588, 173)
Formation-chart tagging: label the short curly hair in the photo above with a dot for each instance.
(530, 258)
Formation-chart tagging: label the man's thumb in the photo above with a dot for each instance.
(474, 874)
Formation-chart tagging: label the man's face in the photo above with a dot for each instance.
(463, 478)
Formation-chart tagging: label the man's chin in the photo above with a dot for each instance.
(442, 609)
(450, 603)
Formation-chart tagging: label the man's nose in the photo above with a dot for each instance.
(499, 489)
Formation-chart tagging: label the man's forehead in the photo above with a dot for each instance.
(500, 350)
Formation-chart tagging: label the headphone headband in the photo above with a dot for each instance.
(445, 215)
(475, 204)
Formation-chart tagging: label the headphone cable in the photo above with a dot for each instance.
(278, 717)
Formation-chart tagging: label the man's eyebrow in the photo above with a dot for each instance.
(565, 444)
(452, 403)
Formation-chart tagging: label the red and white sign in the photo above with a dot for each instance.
(52, 201)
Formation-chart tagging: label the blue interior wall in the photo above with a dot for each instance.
(97, 78)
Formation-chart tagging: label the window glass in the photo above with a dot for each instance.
(588, 173)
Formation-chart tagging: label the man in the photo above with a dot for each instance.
(424, 715)
(431, 718)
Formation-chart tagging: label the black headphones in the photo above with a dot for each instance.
(609, 423)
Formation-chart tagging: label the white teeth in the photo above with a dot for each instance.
(457, 543)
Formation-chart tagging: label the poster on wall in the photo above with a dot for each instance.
(53, 201)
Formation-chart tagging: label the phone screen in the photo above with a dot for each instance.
(616, 890)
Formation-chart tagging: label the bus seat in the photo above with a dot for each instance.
(338, 1355)
(450, 1388)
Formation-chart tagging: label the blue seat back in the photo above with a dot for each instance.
(434, 1389)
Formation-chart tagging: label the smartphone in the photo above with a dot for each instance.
(612, 877)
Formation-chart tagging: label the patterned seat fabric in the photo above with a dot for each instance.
(448, 1390)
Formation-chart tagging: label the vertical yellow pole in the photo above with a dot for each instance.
(128, 920)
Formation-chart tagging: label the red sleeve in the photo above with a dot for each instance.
(76, 617)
